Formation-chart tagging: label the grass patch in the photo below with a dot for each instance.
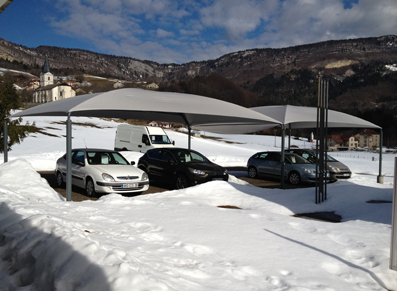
(328, 216)
(229, 207)
(213, 138)
(35, 129)
(85, 124)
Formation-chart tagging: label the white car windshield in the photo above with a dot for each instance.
(105, 158)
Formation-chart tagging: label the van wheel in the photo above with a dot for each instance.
(181, 182)
(90, 188)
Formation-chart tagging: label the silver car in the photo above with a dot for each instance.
(102, 171)
(296, 168)
(337, 170)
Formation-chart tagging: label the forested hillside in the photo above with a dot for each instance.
(362, 74)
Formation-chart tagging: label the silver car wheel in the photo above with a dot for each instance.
(252, 172)
(294, 178)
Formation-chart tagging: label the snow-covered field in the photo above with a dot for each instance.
(183, 240)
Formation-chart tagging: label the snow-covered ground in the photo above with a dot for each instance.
(183, 240)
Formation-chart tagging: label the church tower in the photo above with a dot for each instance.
(46, 78)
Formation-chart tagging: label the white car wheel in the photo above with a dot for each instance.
(90, 188)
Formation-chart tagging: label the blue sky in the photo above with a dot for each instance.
(168, 31)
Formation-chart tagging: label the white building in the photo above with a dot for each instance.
(52, 93)
(152, 86)
(48, 91)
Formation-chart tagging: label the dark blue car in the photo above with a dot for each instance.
(180, 167)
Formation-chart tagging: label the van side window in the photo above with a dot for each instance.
(145, 139)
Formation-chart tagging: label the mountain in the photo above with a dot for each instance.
(362, 74)
(244, 67)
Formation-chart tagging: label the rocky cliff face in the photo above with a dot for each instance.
(244, 67)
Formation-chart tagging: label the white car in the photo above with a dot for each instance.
(102, 171)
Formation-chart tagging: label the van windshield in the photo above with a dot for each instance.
(159, 139)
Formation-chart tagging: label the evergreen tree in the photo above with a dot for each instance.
(9, 100)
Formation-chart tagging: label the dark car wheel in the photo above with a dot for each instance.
(181, 182)
(294, 178)
(90, 188)
(60, 183)
(252, 172)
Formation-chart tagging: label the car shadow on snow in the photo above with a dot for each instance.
(41, 259)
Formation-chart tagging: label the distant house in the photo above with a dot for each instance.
(48, 91)
(118, 84)
(342, 142)
(70, 82)
(18, 88)
(160, 124)
(368, 138)
(152, 86)
(35, 83)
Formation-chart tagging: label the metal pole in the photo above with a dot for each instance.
(380, 177)
(317, 135)
(326, 140)
(282, 156)
(5, 137)
(321, 148)
(190, 136)
(68, 159)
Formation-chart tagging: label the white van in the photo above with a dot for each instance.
(140, 138)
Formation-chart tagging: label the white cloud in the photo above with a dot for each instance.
(237, 17)
(189, 32)
(163, 33)
(301, 22)
(182, 31)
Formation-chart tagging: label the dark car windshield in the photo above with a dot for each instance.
(186, 156)
(105, 158)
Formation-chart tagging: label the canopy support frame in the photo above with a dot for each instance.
(5, 137)
(68, 159)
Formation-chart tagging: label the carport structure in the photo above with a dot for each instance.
(298, 117)
(131, 103)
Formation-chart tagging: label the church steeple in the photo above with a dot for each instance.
(46, 67)
(46, 78)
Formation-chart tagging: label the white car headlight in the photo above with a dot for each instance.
(145, 177)
(107, 177)
(197, 172)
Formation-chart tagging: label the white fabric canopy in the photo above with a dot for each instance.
(132, 103)
(306, 117)
(291, 117)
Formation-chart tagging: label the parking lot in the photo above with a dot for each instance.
(78, 194)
